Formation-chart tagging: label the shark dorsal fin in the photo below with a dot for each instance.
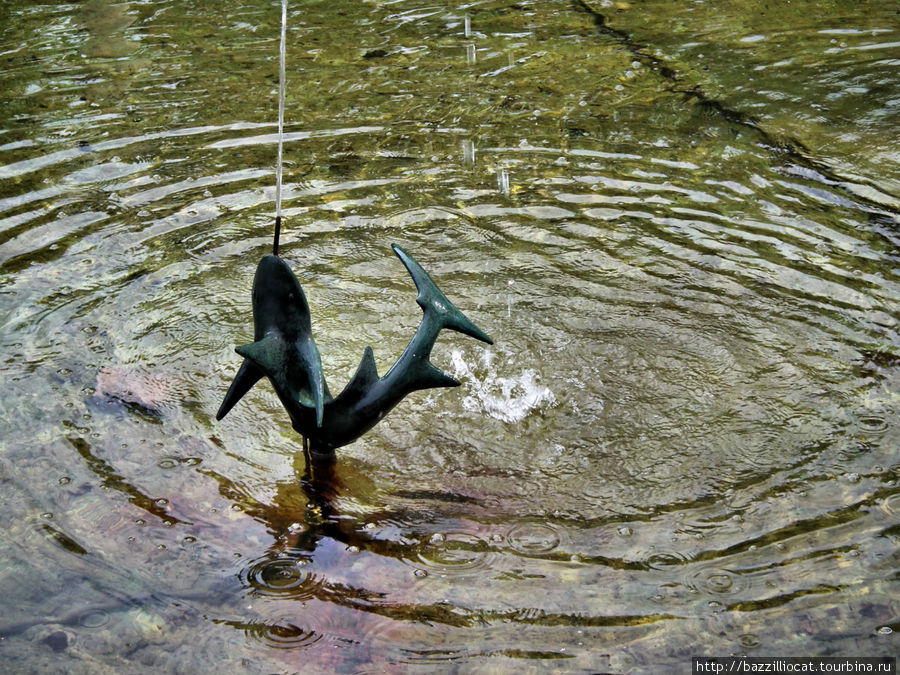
(366, 375)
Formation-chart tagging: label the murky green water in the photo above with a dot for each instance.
(678, 220)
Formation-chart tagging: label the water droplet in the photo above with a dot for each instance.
(65, 480)
(470, 54)
(420, 573)
(352, 550)
(468, 152)
(140, 521)
(503, 182)
(47, 515)
(189, 539)
(161, 501)
(437, 537)
(885, 630)
(295, 528)
(624, 531)
(237, 507)
(167, 463)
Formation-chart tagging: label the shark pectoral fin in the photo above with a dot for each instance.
(314, 391)
(366, 375)
(268, 354)
(294, 368)
(248, 375)
(435, 304)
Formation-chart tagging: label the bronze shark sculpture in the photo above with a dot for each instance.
(285, 352)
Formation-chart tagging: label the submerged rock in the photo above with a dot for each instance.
(150, 391)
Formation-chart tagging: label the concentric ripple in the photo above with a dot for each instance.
(533, 538)
(283, 633)
(664, 559)
(455, 552)
(717, 581)
(282, 576)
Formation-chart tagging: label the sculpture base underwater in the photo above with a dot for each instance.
(285, 352)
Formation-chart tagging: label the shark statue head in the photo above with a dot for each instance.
(285, 352)
(284, 349)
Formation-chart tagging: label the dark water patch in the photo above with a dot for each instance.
(111, 479)
(65, 541)
(779, 600)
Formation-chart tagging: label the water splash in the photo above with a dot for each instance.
(503, 182)
(506, 398)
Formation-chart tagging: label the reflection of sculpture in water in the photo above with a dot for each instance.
(307, 528)
(285, 352)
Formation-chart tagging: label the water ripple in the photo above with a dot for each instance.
(717, 581)
(533, 538)
(282, 576)
(283, 633)
(455, 553)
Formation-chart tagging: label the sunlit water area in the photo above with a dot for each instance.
(679, 222)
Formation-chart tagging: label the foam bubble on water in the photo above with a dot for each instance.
(506, 398)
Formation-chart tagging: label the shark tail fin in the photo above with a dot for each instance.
(248, 375)
(435, 304)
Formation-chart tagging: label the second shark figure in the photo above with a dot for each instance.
(285, 352)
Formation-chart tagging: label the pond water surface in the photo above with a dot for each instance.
(679, 221)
